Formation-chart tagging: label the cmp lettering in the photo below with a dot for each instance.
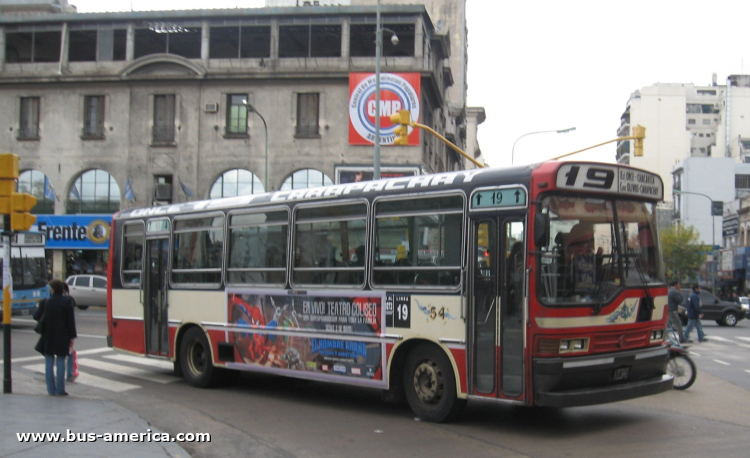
(73, 232)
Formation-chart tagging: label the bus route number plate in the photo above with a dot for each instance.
(497, 198)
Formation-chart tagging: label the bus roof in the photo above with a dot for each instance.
(464, 180)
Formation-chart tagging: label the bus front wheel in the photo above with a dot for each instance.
(430, 385)
(195, 359)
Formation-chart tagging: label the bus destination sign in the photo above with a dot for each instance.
(610, 179)
(498, 198)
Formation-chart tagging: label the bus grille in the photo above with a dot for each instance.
(620, 341)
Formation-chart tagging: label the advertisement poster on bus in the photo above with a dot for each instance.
(398, 91)
(335, 334)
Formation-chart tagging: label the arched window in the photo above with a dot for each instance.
(36, 183)
(305, 178)
(94, 191)
(236, 182)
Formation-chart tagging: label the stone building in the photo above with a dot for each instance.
(132, 109)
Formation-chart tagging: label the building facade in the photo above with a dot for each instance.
(122, 110)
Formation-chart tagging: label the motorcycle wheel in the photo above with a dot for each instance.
(682, 368)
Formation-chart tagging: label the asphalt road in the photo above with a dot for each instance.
(266, 416)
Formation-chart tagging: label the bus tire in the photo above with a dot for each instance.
(430, 386)
(195, 359)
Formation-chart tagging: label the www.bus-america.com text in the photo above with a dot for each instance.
(148, 436)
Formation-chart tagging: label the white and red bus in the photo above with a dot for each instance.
(537, 285)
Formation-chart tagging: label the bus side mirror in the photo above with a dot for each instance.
(541, 229)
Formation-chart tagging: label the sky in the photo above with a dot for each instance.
(548, 65)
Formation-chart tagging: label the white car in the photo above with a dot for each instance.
(88, 290)
(745, 303)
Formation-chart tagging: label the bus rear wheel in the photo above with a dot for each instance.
(430, 386)
(195, 360)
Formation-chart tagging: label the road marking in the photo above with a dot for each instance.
(722, 362)
(92, 380)
(158, 363)
(743, 338)
(720, 339)
(94, 350)
(128, 371)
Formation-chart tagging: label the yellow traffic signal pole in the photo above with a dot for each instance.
(639, 133)
(8, 176)
(403, 117)
(15, 209)
(7, 305)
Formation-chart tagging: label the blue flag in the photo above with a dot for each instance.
(49, 191)
(129, 191)
(186, 190)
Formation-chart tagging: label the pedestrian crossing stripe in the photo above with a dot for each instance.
(92, 380)
(129, 371)
(156, 363)
(747, 339)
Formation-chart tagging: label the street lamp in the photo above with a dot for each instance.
(561, 131)
(252, 109)
(378, 52)
(713, 233)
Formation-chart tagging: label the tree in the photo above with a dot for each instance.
(683, 255)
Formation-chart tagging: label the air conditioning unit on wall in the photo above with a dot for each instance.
(211, 107)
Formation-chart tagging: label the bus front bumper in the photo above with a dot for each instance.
(598, 379)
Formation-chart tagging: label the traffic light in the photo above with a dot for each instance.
(21, 205)
(8, 176)
(15, 204)
(639, 132)
(403, 118)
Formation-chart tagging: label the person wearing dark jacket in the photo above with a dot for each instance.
(695, 313)
(58, 333)
(674, 299)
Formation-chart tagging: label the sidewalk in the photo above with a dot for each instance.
(30, 410)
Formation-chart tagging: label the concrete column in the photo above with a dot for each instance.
(346, 35)
(205, 37)
(2, 50)
(419, 39)
(63, 66)
(274, 38)
(58, 264)
(130, 43)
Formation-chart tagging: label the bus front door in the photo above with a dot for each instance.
(496, 333)
(155, 294)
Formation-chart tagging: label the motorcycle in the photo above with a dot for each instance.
(679, 365)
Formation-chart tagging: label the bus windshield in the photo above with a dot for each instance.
(596, 247)
(29, 272)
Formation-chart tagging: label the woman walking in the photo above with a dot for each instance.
(58, 333)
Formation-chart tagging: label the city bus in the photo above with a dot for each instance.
(29, 270)
(539, 285)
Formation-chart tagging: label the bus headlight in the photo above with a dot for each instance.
(564, 345)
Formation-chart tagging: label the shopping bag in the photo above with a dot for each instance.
(75, 364)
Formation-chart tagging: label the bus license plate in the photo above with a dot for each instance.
(621, 373)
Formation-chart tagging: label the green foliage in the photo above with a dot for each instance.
(683, 255)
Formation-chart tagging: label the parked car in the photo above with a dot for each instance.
(88, 290)
(725, 313)
(745, 303)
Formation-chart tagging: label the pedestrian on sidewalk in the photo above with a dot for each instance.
(695, 313)
(57, 336)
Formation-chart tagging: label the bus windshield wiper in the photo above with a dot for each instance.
(639, 269)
